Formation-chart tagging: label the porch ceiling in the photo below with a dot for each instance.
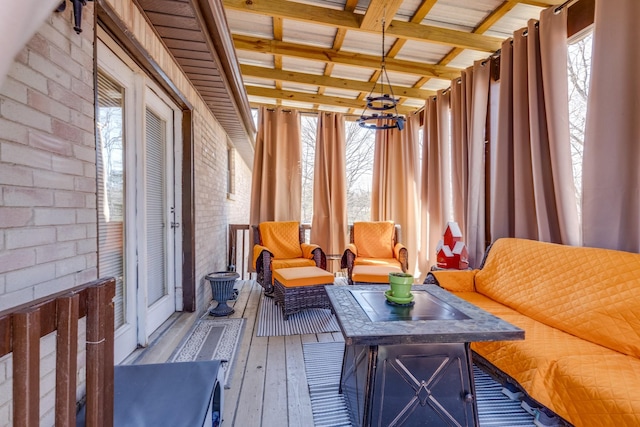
(301, 51)
(325, 54)
(196, 33)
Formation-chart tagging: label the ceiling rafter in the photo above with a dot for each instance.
(352, 21)
(312, 98)
(326, 81)
(273, 47)
(379, 11)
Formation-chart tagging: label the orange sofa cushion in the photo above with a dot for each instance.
(282, 238)
(591, 293)
(374, 239)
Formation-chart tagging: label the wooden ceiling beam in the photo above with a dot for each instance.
(311, 98)
(351, 21)
(327, 82)
(379, 11)
(273, 47)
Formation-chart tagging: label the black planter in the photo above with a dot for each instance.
(222, 291)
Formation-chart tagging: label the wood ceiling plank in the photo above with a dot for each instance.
(311, 98)
(191, 54)
(273, 47)
(326, 81)
(169, 7)
(180, 34)
(169, 21)
(185, 45)
(379, 11)
(351, 21)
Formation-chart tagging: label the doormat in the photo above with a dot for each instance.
(212, 339)
(271, 322)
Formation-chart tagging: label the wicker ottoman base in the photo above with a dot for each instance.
(292, 299)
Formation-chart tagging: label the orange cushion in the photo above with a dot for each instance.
(597, 390)
(291, 262)
(376, 261)
(591, 293)
(373, 273)
(302, 276)
(374, 239)
(282, 238)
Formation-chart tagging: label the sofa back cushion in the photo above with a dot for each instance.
(591, 293)
(282, 238)
(374, 239)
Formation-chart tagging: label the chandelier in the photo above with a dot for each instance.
(384, 111)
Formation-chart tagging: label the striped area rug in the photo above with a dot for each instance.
(310, 321)
(323, 363)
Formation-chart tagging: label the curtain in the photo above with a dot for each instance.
(276, 182)
(394, 193)
(329, 224)
(459, 150)
(435, 195)
(532, 190)
(477, 98)
(19, 21)
(611, 148)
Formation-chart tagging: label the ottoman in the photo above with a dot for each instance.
(373, 274)
(297, 288)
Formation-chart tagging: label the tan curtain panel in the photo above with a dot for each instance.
(532, 191)
(276, 182)
(611, 172)
(329, 224)
(459, 150)
(477, 98)
(436, 168)
(394, 193)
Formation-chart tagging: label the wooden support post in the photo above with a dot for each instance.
(26, 368)
(110, 293)
(66, 359)
(95, 356)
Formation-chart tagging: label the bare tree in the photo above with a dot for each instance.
(359, 165)
(579, 73)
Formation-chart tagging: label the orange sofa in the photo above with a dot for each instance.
(580, 310)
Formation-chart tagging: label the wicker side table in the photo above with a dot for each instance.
(221, 291)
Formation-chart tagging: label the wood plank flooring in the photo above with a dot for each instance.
(268, 382)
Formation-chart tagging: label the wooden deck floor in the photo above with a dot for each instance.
(268, 383)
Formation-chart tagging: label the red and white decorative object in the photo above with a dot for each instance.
(451, 252)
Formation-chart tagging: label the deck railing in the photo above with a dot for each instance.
(241, 247)
(21, 329)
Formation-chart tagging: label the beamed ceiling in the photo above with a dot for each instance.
(325, 54)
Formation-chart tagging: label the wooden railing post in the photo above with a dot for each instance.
(95, 355)
(66, 358)
(26, 367)
(109, 340)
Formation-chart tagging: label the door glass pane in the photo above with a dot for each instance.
(155, 206)
(111, 186)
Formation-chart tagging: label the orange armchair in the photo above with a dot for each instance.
(374, 243)
(280, 244)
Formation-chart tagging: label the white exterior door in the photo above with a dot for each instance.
(139, 235)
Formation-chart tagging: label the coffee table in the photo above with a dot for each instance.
(411, 365)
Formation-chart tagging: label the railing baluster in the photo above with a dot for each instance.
(66, 359)
(26, 368)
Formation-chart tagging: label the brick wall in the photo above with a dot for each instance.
(47, 183)
(48, 224)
